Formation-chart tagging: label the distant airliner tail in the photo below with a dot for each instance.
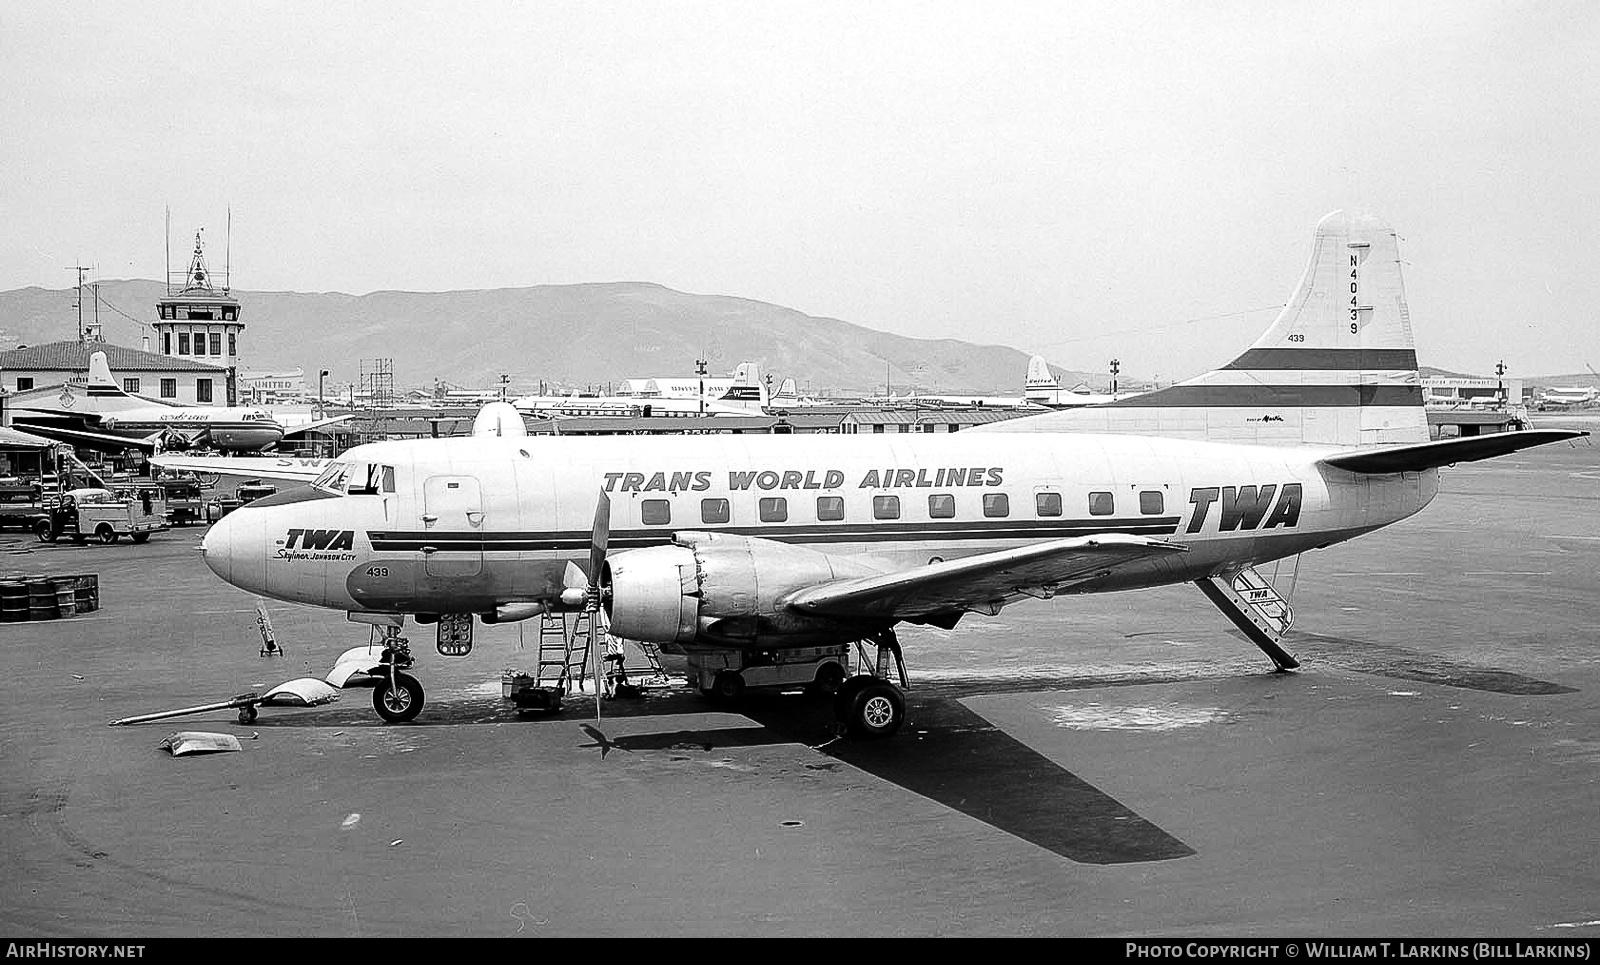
(1338, 366)
(103, 395)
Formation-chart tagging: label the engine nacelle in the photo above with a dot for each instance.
(715, 588)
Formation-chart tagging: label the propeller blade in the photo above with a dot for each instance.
(598, 539)
(597, 558)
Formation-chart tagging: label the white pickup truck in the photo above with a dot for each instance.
(78, 514)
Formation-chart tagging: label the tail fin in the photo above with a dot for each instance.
(749, 389)
(1039, 375)
(103, 394)
(100, 374)
(1338, 367)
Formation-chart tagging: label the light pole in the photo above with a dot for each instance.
(320, 376)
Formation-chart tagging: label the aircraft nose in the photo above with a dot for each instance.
(234, 551)
(217, 547)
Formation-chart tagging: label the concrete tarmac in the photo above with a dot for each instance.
(1118, 765)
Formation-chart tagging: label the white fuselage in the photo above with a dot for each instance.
(235, 428)
(464, 525)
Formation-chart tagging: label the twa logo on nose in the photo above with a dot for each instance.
(320, 539)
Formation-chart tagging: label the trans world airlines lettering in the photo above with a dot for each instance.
(1243, 507)
(775, 479)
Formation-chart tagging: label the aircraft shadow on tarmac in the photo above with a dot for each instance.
(949, 753)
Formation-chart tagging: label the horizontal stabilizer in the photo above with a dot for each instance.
(1431, 455)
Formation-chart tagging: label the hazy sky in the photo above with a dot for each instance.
(1080, 180)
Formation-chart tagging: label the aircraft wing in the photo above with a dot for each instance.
(290, 431)
(1431, 455)
(99, 441)
(983, 583)
(285, 469)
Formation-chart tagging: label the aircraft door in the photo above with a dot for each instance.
(452, 525)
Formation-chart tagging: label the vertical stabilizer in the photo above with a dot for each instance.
(103, 395)
(1337, 367)
(100, 373)
(1039, 375)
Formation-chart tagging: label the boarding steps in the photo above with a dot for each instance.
(1250, 601)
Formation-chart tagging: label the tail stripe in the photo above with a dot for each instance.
(1341, 359)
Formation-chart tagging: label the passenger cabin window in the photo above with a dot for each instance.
(655, 512)
(886, 507)
(1151, 503)
(714, 511)
(941, 506)
(830, 508)
(1047, 504)
(996, 504)
(773, 509)
(1101, 504)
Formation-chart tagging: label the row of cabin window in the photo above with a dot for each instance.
(775, 509)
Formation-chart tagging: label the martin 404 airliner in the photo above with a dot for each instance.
(102, 415)
(1315, 435)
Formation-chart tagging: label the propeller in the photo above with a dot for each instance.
(600, 535)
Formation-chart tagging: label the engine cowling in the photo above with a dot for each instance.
(720, 589)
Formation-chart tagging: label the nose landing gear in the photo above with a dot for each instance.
(396, 696)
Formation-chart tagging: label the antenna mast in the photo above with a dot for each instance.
(80, 269)
(227, 254)
(166, 266)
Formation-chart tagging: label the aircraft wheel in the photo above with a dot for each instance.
(106, 534)
(400, 703)
(875, 709)
(45, 532)
(728, 685)
(247, 714)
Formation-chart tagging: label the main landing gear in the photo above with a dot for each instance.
(396, 696)
(868, 705)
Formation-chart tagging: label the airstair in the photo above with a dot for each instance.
(1255, 607)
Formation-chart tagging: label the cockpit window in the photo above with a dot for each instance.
(333, 478)
(356, 479)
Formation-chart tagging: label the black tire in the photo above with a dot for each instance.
(46, 532)
(247, 714)
(397, 705)
(875, 709)
(728, 685)
(105, 534)
(830, 677)
(139, 537)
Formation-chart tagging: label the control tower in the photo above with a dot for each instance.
(196, 320)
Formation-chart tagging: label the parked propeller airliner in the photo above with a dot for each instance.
(1315, 435)
(101, 415)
